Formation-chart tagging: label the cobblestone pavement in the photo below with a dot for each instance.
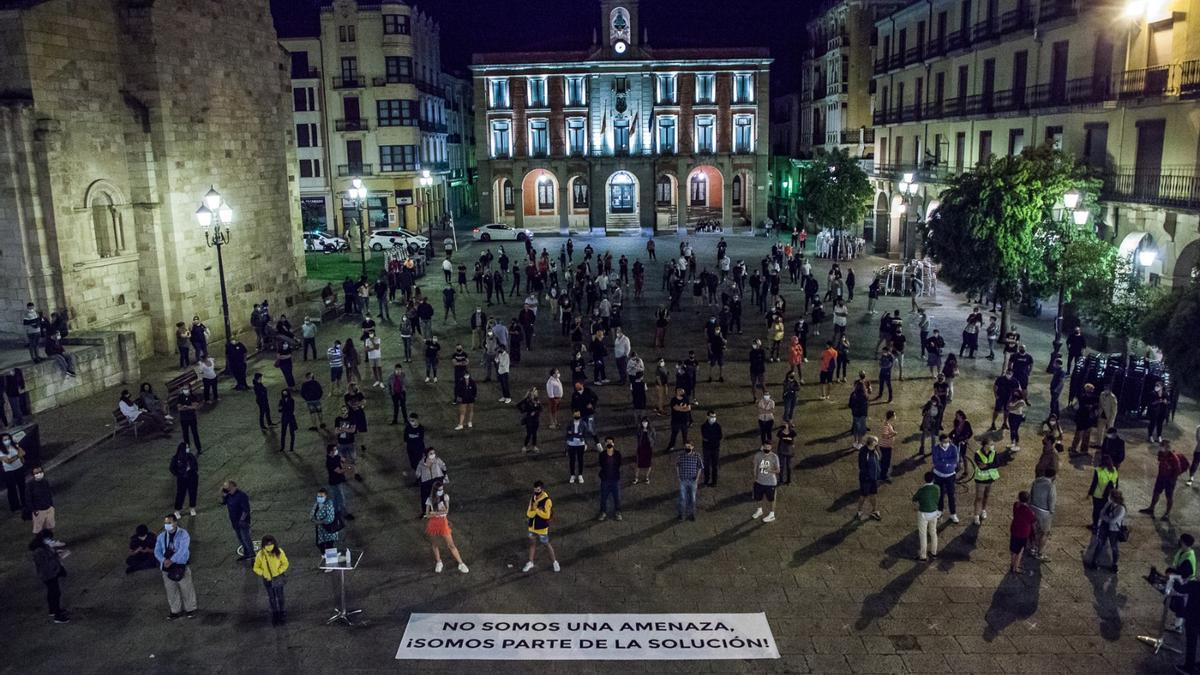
(840, 596)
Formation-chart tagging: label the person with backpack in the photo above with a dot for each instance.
(538, 514)
(1171, 465)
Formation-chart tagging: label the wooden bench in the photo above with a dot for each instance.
(121, 423)
(187, 379)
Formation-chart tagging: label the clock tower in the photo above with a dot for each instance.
(620, 21)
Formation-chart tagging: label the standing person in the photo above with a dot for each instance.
(859, 405)
(868, 478)
(887, 441)
(575, 446)
(271, 565)
(183, 338)
(688, 467)
(828, 365)
(1076, 345)
(1108, 530)
(503, 366)
(337, 363)
(554, 394)
(312, 394)
(198, 336)
(986, 474)
(431, 470)
(621, 350)
(1042, 498)
(432, 348)
(437, 527)
(308, 335)
(946, 458)
(681, 417)
(531, 415)
(787, 442)
(12, 456)
(351, 359)
(610, 480)
(287, 419)
(1171, 465)
(262, 399)
(396, 386)
(186, 470)
(235, 363)
(326, 525)
(187, 405)
(18, 398)
(32, 323)
(237, 503)
(41, 506)
(766, 417)
(710, 436)
(886, 361)
(373, 345)
(1087, 414)
(1157, 409)
(48, 565)
(414, 442)
(931, 422)
(537, 517)
(1024, 522)
(406, 335)
(172, 549)
(645, 450)
(336, 468)
(466, 391)
(928, 499)
(207, 370)
(766, 478)
(1105, 480)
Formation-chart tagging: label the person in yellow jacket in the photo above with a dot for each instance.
(272, 564)
(986, 473)
(538, 514)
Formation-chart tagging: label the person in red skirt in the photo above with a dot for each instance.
(645, 450)
(437, 526)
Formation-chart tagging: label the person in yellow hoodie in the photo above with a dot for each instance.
(538, 515)
(271, 564)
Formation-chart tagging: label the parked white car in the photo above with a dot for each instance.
(324, 242)
(382, 239)
(500, 232)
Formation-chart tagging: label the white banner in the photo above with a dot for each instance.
(588, 637)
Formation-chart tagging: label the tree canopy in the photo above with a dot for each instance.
(834, 190)
(1172, 324)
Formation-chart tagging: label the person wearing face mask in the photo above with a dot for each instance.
(1157, 409)
(1021, 363)
(12, 457)
(271, 564)
(576, 445)
(237, 503)
(48, 565)
(41, 503)
(287, 420)
(186, 470)
(945, 467)
(414, 441)
(661, 379)
(396, 387)
(337, 468)
(531, 413)
(466, 391)
(644, 452)
(172, 549)
(758, 370)
(430, 470)
(437, 527)
(538, 514)
(710, 437)
(554, 394)
(610, 479)
(187, 404)
(326, 526)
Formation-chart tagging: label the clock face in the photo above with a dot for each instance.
(619, 47)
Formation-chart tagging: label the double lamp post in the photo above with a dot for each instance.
(215, 217)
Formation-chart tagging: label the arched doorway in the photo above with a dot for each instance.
(666, 202)
(579, 194)
(503, 207)
(705, 195)
(899, 220)
(621, 204)
(539, 199)
(742, 197)
(1186, 265)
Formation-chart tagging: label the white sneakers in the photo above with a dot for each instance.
(571, 479)
(427, 380)
(557, 567)
(953, 517)
(192, 511)
(438, 567)
(458, 428)
(983, 514)
(770, 517)
(462, 567)
(580, 479)
(757, 513)
(978, 521)
(528, 566)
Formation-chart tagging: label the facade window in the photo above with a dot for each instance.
(665, 92)
(539, 138)
(663, 195)
(346, 33)
(507, 194)
(1054, 136)
(579, 195)
(705, 88)
(396, 112)
(107, 226)
(737, 190)
(576, 136)
(985, 147)
(743, 88)
(306, 136)
(310, 168)
(395, 24)
(498, 93)
(706, 140)
(399, 69)
(304, 99)
(698, 190)
(537, 92)
(545, 194)
(621, 137)
(1016, 141)
(349, 67)
(743, 133)
(398, 158)
(576, 91)
(501, 138)
(666, 135)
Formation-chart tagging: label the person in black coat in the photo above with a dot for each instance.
(264, 403)
(414, 441)
(287, 421)
(710, 436)
(235, 363)
(186, 470)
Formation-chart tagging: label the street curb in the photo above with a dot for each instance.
(74, 450)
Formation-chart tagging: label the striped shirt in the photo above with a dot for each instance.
(335, 357)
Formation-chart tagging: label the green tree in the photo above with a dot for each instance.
(1171, 323)
(1115, 305)
(834, 190)
(1002, 227)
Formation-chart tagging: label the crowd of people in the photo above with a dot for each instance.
(574, 303)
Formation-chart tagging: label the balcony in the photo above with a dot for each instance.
(881, 65)
(1056, 9)
(914, 54)
(359, 124)
(853, 137)
(435, 166)
(432, 127)
(1177, 187)
(305, 73)
(454, 139)
(345, 170)
(837, 88)
(816, 138)
(930, 172)
(959, 39)
(355, 82)
(427, 87)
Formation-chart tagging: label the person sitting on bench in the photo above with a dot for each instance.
(133, 412)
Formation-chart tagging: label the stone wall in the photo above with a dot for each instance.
(102, 360)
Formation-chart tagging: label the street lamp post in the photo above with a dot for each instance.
(908, 192)
(215, 218)
(426, 181)
(1079, 218)
(358, 197)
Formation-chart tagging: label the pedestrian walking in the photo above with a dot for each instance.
(766, 478)
(927, 498)
(172, 550)
(237, 503)
(537, 517)
(986, 475)
(186, 470)
(437, 527)
(1171, 465)
(1042, 499)
(1108, 530)
(1024, 522)
(271, 565)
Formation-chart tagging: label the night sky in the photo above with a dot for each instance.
(470, 26)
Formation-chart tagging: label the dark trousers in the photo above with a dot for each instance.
(285, 365)
(186, 486)
(885, 462)
(210, 387)
(264, 416)
(885, 380)
(53, 596)
(15, 481)
(185, 425)
(504, 389)
(310, 342)
(785, 469)
(275, 597)
(677, 429)
(239, 376)
(949, 489)
(575, 459)
(1191, 631)
(764, 430)
(1097, 507)
(247, 542)
(531, 429)
(285, 425)
(183, 356)
(399, 405)
(610, 489)
(712, 458)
